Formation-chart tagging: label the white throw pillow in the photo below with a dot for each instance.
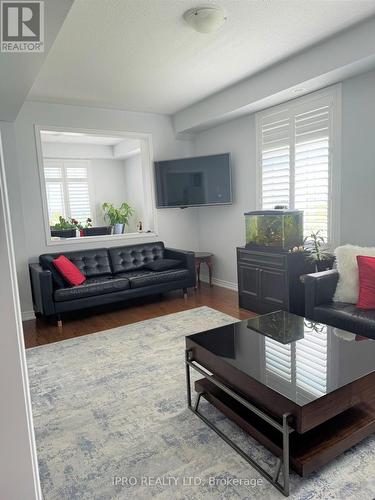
(346, 259)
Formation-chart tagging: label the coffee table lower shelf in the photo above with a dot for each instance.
(308, 451)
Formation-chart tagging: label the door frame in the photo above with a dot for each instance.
(21, 477)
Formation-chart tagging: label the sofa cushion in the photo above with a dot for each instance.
(91, 263)
(163, 264)
(69, 271)
(348, 285)
(92, 286)
(346, 317)
(145, 277)
(366, 269)
(134, 257)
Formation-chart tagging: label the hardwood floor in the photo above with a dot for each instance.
(39, 332)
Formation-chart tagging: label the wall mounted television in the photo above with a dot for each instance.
(193, 182)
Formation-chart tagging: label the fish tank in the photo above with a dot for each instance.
(274, 229)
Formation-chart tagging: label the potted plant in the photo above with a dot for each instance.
(89, 230)
(318, 252)
(118, 217)
(65, 228)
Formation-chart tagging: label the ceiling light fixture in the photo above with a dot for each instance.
(205, 19)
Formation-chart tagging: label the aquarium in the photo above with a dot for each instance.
(274, 229)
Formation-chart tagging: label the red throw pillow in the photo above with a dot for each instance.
(366, 269)
(69, 271)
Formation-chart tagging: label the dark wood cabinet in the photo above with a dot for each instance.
(269, 281)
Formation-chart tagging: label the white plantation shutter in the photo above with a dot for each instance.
(295, 160)
(53, 171)
(311, 169)
(79, 200)
(68, 189)
(55, 200)
(300, 366)
(278, 359)
(275, 162)
(311, 364)
(76, 172)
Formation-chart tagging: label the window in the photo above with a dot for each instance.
(297, 144)
(67, 188)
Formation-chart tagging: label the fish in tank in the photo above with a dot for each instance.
(277, 229)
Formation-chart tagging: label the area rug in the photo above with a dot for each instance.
(111, 423)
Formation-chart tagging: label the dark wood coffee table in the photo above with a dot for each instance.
(306, 391)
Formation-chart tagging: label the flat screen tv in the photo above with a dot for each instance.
(190, 182)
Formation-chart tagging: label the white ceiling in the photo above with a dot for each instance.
(140, 55)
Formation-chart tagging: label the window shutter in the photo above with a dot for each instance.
(311, 365)
(79, 200)
(278, 359)
(312, 168)
(52, 172)
(295, 153)
(67, 187)
(55, 200)
(76, 172)
(275, 162)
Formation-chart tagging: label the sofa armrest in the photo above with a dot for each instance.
(319, 289)
(186, 256)
(42, 290)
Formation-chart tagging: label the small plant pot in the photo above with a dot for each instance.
(63, 233)
(118, 228)
(96, 231)
(324, 265)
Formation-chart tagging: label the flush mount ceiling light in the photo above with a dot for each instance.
(205, 19)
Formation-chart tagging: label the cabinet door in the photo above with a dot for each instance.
(248, 286)
(273, 290)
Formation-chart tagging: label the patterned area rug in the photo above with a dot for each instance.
(111, 423)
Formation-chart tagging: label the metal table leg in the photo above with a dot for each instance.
(284, 428)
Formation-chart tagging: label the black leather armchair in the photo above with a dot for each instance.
(319, 306)
(112, 275)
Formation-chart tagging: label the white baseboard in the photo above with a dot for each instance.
(223, 283)
(26, 315)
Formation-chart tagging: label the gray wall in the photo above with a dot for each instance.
(134, 189)
(358, 160)
(221, 229)
(108, 181)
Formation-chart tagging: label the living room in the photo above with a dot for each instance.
(283, 94)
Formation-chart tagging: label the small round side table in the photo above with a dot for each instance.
(205, 257)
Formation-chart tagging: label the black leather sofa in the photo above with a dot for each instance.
(319, 291)
(113, 275)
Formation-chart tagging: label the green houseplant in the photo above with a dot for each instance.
(318, 251)
(65, 228)
(118, 217)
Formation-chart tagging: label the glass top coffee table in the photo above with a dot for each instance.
(303, 389)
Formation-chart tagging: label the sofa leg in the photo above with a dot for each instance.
(59, 321)
(185, 293)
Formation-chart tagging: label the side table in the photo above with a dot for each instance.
(205, 257)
